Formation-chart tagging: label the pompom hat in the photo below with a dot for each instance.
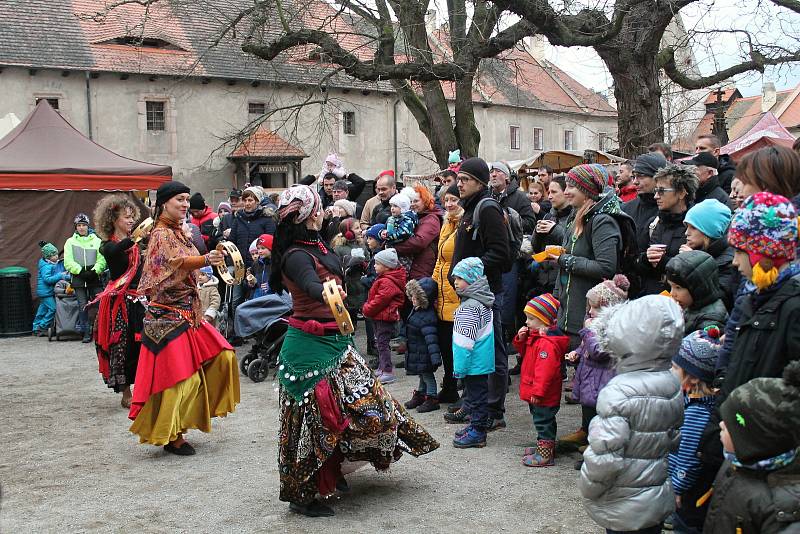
(544, 307)
(590, 179)
(699, 352)
(48, 249)
(765, 226)
(609, 292)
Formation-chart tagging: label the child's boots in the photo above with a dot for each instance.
(543, 455)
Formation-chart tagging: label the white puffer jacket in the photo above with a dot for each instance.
(624, 477)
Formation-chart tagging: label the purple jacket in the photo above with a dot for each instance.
(594, 370)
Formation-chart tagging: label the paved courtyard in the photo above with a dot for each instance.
(69, 464)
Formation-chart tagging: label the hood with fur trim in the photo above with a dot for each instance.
(424, 289)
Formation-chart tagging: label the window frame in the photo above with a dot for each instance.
(603, 138)
(252, 103)
(351, 122)
(150, 116)
(50, 100)
(571, 134)
(541, 138)
(515, 140)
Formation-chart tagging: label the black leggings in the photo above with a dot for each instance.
(587, 414)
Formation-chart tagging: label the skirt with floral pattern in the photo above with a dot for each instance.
(375, 428)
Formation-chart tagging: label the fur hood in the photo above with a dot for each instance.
(423, 289)
(642, 334)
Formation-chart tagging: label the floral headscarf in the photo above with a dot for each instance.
(301, 199)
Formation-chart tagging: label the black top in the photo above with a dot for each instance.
(116, 255)
(300, 268)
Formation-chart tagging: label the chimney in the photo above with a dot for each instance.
(430, 21)
(768, 96)
(536, 46)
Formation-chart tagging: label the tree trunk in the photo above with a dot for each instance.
(468, 135)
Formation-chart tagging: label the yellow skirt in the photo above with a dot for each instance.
(213, 391)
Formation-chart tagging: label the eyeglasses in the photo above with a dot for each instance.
(463, 179)
(662, 190)
(542, 174)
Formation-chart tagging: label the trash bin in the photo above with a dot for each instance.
(16, 308)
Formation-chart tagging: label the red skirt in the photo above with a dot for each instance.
(176, 362)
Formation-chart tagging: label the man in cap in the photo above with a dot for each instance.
(506, 191)
(727, 168)
(706, 169)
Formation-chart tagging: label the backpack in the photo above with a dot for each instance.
(513, 227)
(629, 247)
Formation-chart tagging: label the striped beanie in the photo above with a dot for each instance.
(765, 226)
(469, 269)
(590, 178)
(544, 307)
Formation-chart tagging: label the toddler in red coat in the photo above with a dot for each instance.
(386, 296)
(543, 347)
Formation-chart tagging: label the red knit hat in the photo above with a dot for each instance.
(265, 240)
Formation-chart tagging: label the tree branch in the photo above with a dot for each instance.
(792, 5)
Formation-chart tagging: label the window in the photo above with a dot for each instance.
(156, 116)
(538, 139)
(52, 101)
(569, 140)
(349, 122)
(514, 137)
(257, 109)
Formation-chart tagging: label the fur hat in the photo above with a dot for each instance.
(475, 168)
(544, 307)
(699, 352)
(763, 416)
(469, 269)
(609, 292)
(388, 257)
(401, 201)
(590, 178)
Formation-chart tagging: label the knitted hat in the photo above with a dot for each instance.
(340, 185)
(454, 156)
(224, 206)
(477, 169)
(252, 248)
(48, 249)
(544, 307)
(374, 232)
(410, 192)
(609, 292)
(710, 216)
(590, 178)
(256, 191)
(648, 164)
(388, 172)
(81, 218)
(401, 201)
(168, 190)
(347, 206)
(453, 190)
(765, 226)
(699, 352)
(207, 270)
(763, 416)
(388, 257)
(469, 269)
(265, 240)
(502, 167)
(197, 202)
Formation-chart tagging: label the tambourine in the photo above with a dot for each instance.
(143, 230)
(238, 264)
(330, 291)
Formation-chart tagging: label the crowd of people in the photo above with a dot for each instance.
(662, 298)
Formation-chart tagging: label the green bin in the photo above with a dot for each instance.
(16, 307)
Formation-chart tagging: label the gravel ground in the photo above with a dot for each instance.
(69, 464)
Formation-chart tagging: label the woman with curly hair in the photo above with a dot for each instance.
(119, 317)
(421, 246)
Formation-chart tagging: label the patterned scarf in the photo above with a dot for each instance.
(767, 464)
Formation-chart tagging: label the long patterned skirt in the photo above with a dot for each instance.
(347, 416)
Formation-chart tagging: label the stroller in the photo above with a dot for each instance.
(264, 319)
(66, 319)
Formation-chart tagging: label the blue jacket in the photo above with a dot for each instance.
(49, 274)
(422, 354)
(246, 228)
(261, 270)
(401, 227)
(473, 335)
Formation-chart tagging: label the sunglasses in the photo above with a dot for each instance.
(662, 190)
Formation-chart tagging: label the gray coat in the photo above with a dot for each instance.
(584, 265)
(624, 478)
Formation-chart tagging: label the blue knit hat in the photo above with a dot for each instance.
(469, 269)
(374, 232)
(711, 217)
(207, 270)
(699, 352)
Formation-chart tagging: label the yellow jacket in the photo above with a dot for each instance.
(447, 301)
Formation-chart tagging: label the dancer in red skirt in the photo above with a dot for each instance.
(187, 371)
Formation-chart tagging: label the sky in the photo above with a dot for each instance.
(769, 24)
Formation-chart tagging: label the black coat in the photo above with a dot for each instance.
(515, 199)
(642, 209)
(668, 230)
(354, 189)
(546, 272)
(711, 189)
(422, 345)
(768, 336)
(247, 227)
(729, 276)
(725, 172)
(491, 245)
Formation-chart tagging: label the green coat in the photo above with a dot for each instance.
(82, 257)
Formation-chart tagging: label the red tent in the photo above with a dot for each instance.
(49, 172)
(768, 131)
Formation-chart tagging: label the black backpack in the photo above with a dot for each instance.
(513, 227)
(629, 247)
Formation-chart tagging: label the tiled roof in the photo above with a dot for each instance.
(67, 34)
(263, 143)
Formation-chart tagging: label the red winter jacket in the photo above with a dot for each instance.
(422, 246)
(386, 296)
(628, 193)
(205, 223)
(541, 366)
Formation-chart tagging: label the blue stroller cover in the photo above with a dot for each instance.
(260, 313)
